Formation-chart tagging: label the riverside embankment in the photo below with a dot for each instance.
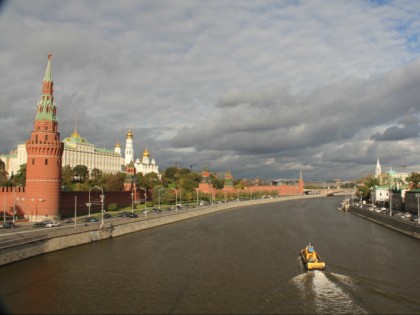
(62, 238)
(406, 227)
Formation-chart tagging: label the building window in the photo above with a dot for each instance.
(33, 161)
(46, 161)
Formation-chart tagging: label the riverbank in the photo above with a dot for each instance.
(62, 238)
(406, 227)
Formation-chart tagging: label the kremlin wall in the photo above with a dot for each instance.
(42, 197)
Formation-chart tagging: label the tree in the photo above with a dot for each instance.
(67, 176)
(414, 179)
(96, 177)
(20, 177)
(3, 173)
(151, 180)
(113, 182)
(368, 182)
(80, 172)
(170, 173)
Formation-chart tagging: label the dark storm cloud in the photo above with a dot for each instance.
(258, 87)
(398, 133)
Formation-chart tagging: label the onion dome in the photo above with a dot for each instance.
(146, 153)
(129, 134)
(118, 145)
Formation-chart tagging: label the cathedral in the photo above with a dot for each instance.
(146, 164)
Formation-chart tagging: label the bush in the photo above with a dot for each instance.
(112, 207)
(150, 204)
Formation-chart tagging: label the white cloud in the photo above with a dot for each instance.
(238, 83)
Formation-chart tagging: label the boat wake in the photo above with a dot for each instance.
(324, 292)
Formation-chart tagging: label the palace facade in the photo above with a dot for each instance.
(79, 151)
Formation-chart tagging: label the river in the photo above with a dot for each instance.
(239, 261)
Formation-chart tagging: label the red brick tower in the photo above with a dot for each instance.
(44, 149)
(301, 184)
(206, 186)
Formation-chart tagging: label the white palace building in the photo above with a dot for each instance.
(78, 151)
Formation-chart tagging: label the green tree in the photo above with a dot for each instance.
(368, 182)
(113, 182)
(20, 177)
(80, 172)
(414, 179)
(170, 173)
(3, 173)
(67, 177)
(150, 180)
(96, 177)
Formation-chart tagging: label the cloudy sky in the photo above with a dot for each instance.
(263, 88)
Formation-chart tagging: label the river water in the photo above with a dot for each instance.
(239, 261)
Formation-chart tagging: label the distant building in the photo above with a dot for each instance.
(207, 187)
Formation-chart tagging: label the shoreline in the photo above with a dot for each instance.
(63, 238)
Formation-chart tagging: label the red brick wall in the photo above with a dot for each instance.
(121, 198)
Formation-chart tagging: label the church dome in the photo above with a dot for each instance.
(129, 134)
(75, 138)
(146, 153)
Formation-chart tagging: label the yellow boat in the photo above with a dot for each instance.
(311, 258)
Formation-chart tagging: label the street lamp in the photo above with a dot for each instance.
(36, 207)
(4, 207)
(159, 195)
(197, 196)
(176, 199)
(145, 199)
(418, 208)
(102, 203)
(132, 200)
(89, 204)
(14, 204)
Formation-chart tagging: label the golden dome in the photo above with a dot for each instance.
(75, 134)
(118, 145)
(146, 152)
(129, 134)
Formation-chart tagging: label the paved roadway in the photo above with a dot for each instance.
(25, 232)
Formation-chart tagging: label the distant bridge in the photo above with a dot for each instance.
(331, 192)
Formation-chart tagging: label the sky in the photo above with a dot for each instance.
(261, 88)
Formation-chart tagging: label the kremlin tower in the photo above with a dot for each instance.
(44, 151)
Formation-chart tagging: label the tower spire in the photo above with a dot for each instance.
(46, 110)
(48, 72)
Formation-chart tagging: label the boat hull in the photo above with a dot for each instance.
(318, 264)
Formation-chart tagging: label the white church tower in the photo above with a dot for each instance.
(129, 154)
(378, 170)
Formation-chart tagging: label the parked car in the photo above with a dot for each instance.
(68, 220)
(91, 219)
(7, 225)
(132, 215)
(52, 224)
(107, 216)
(123, 214)
(41, 224)
(156, 210)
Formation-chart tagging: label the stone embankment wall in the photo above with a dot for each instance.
(62, 238)
(404, 226)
